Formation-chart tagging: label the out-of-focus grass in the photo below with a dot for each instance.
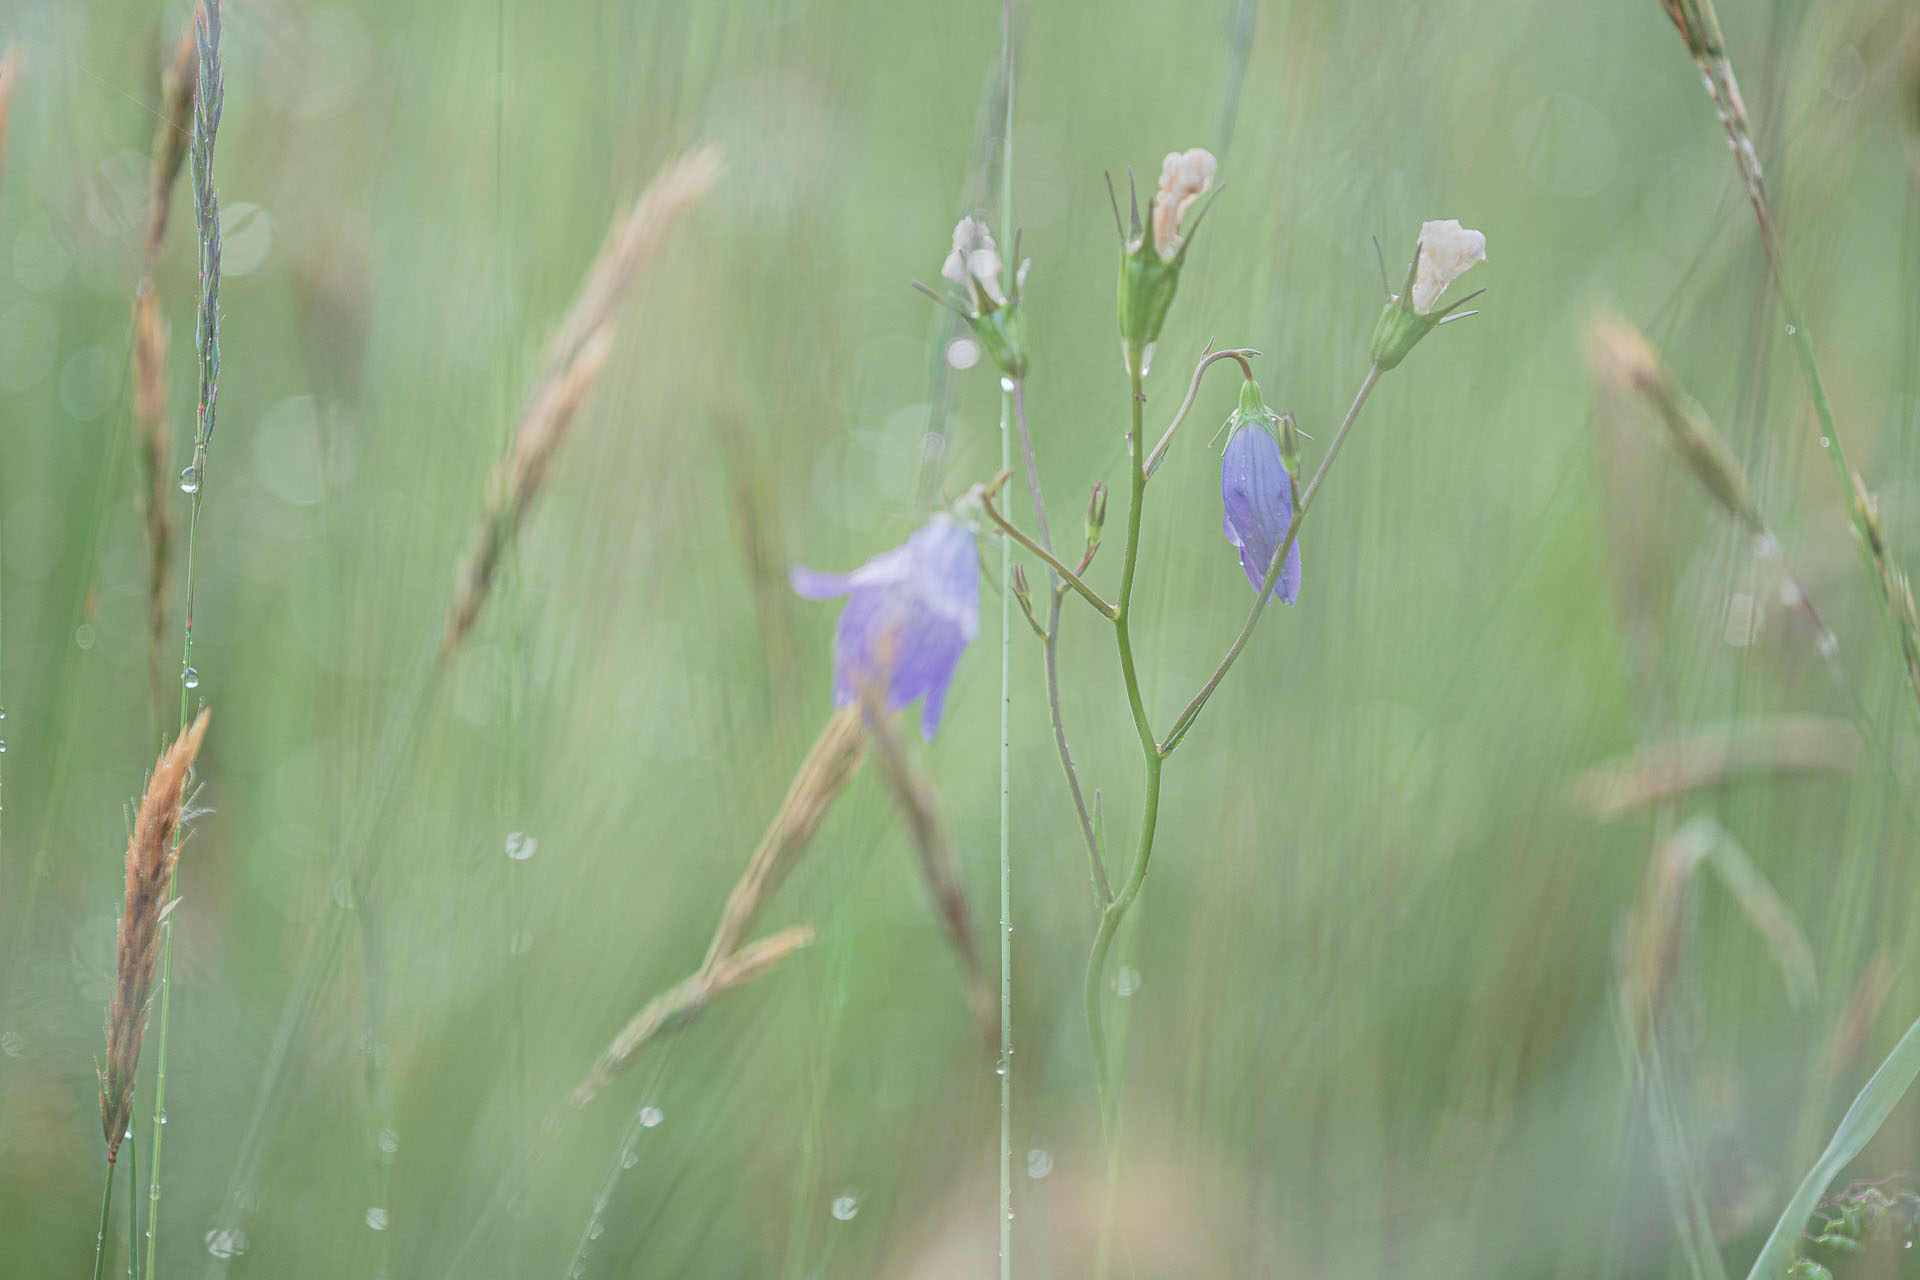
(1372, 1033)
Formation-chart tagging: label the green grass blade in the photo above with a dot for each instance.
(1863, 1119)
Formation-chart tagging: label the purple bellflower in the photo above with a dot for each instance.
(1258, 495)
(910, 614)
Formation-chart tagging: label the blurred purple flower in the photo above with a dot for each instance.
(1258, 496)
(910, 614)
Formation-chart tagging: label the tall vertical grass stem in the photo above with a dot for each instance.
(1007, 397)
(100, 1239)
(206, 212)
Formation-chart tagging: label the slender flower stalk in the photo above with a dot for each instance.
(207, 105)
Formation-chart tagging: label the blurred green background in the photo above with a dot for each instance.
(1373, 1027)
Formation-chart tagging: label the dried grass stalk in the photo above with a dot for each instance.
(1894, 584)
(152, 850)
(822, 776)
(10, 65)
(1711, 756)
(681, 1004)
(1655, 933)
(570, 366)
(170, 138)
(914, 796)
(1623, 359)
(821, 779)
(151, 439)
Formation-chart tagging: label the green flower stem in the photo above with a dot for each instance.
(1115, 911)
(100, 1240)
(1186, 717)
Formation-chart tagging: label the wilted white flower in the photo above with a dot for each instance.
(1185, 176)
(975, 261)
(1447, 249)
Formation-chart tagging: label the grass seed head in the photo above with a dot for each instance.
(152, 851)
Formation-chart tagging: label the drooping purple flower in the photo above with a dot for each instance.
(910, 614)
(1258, 496)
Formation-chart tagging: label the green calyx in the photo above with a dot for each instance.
(1002, 331)
(1399, 331)
(1147, 285)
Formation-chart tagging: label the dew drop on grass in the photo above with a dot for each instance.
(1006, 384)
(190, 479)
(1000, 1065)
(650, 1116)
(190, 678)
(844, 1207)
(521, 846)
(377, 1218)
(1126, 980)
(226, 1242)
(597, 1230)
(1039, 1163)
(629, 1158)
(388, 1141)
(83, 635)
(1791, 331)
(962, 354)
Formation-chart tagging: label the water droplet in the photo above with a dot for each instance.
(1828, 644)
(1825, 443)
(1126, 980)
(1039, 1163)
(388, 1141)
(163, 1117)
(521, 846)
(845, 1207)
(650, 1116)
(1000, 1065)
(629, 1158)
(1791, 331)
(1006, 385)
(190, 678)
(190, 480)
(225, 1242)
(3, 746)
(377, 1218)
(83, 635)
(597, 1230)
(962, 354)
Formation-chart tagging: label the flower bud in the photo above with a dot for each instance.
(1096, 513)
(1445, 251)
(1023, 595)
(984, 301)
(1151, 255)
(1290, 445)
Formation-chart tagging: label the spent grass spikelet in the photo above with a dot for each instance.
(152, 850)
(170, 138)
(820, 780)
(575, 356)
(914, 796)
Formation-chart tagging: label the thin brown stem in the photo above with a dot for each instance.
(1186, 717)
(1052, 562)
(1050, 647)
